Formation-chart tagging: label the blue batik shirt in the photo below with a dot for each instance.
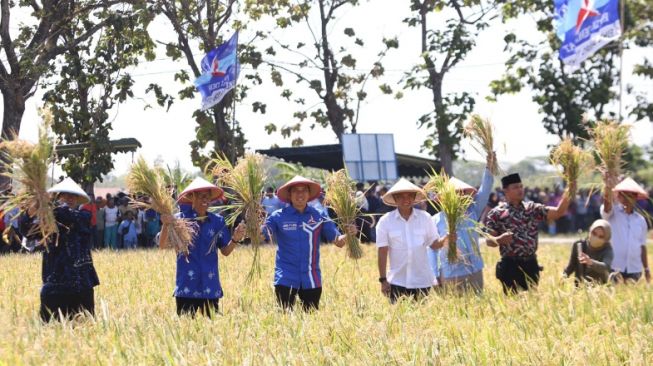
(467, 243)
(298, 235)
(197, 273)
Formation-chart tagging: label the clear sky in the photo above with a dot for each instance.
(518, 128)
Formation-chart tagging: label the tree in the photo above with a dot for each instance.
(341, 87)
(204, 25)
(568, 99)
(92, 81)
(443, 49)
(30, 51)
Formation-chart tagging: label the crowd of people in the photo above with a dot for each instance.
(413, 242)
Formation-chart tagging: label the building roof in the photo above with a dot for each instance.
(329, 157)
(120, 145)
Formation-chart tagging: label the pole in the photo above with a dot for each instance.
(622, 21)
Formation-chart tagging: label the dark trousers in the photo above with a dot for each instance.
(286, 296)
(189, 306)
(518, 273)
(67, 305)
(416, 293)
(620, 277)
(99, 238)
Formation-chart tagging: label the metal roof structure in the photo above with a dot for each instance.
(329, 157)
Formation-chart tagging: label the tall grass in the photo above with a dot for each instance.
(451, 203)
(610, 141)
(341, 196)
(573, 160)
(481, 132)
(142, 178)
(136, 323)
(245, 184)
(27, 164)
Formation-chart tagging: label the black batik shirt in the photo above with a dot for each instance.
(523, 221)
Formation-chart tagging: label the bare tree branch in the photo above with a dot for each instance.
(171, 13)
(7, 42)
(308, 58)
(226, 16)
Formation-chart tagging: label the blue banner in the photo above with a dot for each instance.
(584, 27)
(220, 70)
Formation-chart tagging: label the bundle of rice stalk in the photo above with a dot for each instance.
(452, 204)
(341, 196)
(573, 159)
(148, 180)
(481, 132)
(610, 143)
(27, 164)
(244, 185)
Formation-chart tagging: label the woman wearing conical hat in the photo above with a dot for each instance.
(404, 235)
(68, 272)
(298, 229)
(466, 273)
(197, 283)
(629, 229)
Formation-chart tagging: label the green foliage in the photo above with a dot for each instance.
(443, 48)
(207, 24)
(566, 99)
(340, 89)
(92, 81)
(47, 30)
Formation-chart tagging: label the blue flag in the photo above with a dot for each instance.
(220, 70)
(584, 27)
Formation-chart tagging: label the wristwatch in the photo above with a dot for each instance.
(382, 279)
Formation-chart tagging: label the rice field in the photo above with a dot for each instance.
(136, 323)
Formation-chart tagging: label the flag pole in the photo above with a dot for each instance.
(622, 20)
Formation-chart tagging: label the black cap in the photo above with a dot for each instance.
(510, 179)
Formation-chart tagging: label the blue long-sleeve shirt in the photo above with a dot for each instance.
(467, 243)
(298, 235)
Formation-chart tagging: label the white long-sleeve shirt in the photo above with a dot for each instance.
(408, 242)
(628, 237)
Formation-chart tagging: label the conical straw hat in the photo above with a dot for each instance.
(462, 186)
(403, 186)
(69, 186)
(314, 189)
(197, 185)
(629, 185)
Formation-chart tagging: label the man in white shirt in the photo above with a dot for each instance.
(628, 229)
(404, 235)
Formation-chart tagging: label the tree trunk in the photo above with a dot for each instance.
(445, 152)
(14, 107)
(224, 136)
(335, 114)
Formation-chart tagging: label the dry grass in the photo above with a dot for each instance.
(136, 323)
(147, 180)
(341, 196)
(481, 132)
(27, 164)
(610, 143)
(244, 183)
(574, 162)
(451, 203)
